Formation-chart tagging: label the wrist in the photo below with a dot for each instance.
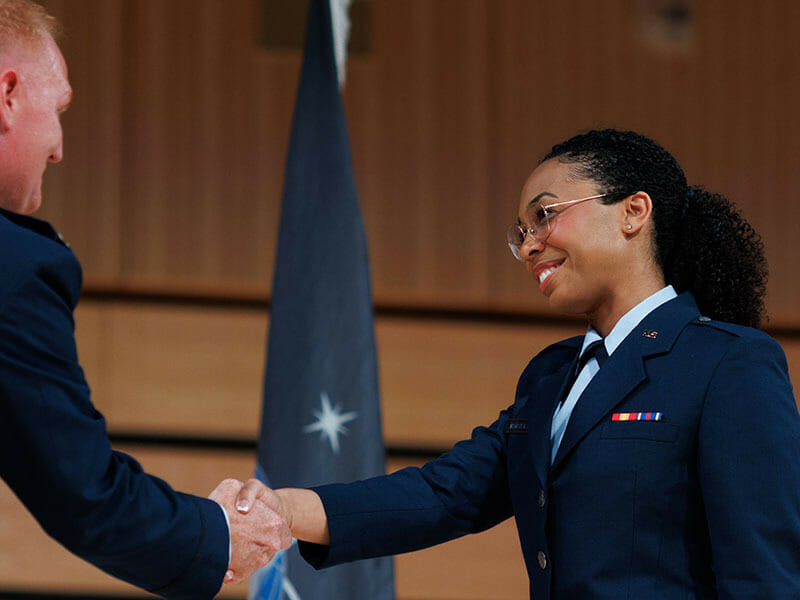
(285, 508)
(304, 515)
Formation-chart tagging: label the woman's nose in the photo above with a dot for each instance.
(530, 246)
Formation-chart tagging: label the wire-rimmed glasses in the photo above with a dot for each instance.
(539, 218)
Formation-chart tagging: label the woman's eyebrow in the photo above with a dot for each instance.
(538, 197)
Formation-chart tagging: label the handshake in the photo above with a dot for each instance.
(258, 525)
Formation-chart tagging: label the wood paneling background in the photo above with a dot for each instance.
(176, 140)
(172, 370)
(172, 179)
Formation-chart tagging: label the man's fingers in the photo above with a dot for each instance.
(277, 525)
(286, 539)
(226, 487)
(251, 491)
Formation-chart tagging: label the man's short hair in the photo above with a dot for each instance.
(22, 20)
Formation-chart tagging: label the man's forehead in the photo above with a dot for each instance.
(51, 53)
(54, 68)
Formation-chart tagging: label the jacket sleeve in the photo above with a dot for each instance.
(463, 491)
(57, 458)
(749, 469)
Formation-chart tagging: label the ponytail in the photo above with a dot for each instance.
(718, 257)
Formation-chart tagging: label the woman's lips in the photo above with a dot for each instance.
(545, 271)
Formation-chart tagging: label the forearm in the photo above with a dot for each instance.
(305, 515)
(464, 491)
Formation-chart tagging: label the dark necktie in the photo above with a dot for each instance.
(595, 350)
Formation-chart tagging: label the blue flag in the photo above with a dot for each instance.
(321, 415)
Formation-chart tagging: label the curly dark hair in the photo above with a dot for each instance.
(702, 243)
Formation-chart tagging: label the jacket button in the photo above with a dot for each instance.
(542, 559)
(542, 499)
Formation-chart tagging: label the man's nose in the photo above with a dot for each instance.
(58, 152)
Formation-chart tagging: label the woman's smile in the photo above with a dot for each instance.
(543, 271)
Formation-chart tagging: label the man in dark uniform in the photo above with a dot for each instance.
(54, 451)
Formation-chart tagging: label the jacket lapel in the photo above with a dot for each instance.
(625, 368)
(541, 405)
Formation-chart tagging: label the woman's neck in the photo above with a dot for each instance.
(622, 300)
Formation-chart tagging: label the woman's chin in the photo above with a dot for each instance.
(565, 304)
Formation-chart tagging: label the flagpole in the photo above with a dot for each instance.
(340, 19)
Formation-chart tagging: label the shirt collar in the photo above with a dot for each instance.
(629, 320)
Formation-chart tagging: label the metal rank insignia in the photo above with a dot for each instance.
(640, 416)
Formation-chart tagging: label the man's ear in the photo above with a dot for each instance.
(9, 86)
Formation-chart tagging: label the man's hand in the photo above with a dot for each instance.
(253, 490)
(301, 509)
(257, 531)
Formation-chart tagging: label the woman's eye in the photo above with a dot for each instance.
(544, 213)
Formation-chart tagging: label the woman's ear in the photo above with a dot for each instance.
(638, 210)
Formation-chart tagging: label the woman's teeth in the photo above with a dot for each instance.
(546, 273)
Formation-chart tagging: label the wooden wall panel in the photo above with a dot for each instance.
(424, 194)
(193, 209)
(488, 565)
(197, 371)
(174, 370)
(82, 196)
(442, 379)
(176, 143)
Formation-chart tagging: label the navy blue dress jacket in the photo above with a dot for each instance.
(55, 454)
(702, 504)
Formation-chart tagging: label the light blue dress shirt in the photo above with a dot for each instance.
(620, 331)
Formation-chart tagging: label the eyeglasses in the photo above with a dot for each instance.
(539, 219)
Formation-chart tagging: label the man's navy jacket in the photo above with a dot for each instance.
(54, 451)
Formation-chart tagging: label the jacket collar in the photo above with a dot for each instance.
(624, 370)
(33, 224)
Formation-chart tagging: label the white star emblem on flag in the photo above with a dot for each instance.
(330, 421)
